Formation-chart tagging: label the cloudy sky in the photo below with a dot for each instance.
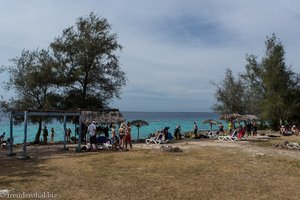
(173, 49)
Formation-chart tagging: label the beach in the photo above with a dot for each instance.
(205, 169)
(156, 120)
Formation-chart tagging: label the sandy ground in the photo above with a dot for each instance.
(56, 150)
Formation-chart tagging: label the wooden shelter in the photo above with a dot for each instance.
(101, 116)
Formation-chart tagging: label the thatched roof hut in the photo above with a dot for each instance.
(105, 116)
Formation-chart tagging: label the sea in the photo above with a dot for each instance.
(156, 120)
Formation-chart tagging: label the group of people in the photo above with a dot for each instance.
(287, 130)
(249, 127)
(121, 139)
(52, 134)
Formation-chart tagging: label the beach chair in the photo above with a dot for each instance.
(232, 137)
(213, 134)
(152, 140)
(157, 140)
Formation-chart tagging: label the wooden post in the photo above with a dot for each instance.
(79, 134)
(65, 129)
(11, 140)
(25, 135)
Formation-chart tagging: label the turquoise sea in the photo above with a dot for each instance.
(156, 120)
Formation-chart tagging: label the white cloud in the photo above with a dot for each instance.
(172, 48)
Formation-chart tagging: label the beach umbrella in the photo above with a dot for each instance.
(249, 117)
(211, 122)
(230, 116)
(139, 124)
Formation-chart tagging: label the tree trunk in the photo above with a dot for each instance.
(38, 134)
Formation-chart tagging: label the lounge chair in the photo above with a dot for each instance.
(232, 137)
(213, 134)
(157, 140)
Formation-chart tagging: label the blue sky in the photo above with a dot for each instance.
(172, 48)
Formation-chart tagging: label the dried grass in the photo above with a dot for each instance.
(206, 172)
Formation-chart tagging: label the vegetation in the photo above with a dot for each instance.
(33, 79)
(80, 69)
(268, 88)
(87, 64)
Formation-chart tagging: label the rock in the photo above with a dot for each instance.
(170, 149)
(288, 145)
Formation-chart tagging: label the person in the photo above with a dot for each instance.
(241, 132)
(294, 130)
(195, 129)
(92, 133)
(52, 135)
(210, 124)
(68, 134)
(45, 134)
(177, 133)
(2, 137)
(113, 135)
(128, 136)
(166, 133)
(248, 128)
(254, 128)
(282, 130)
(2, 141)
(221, 129)
(122, 134)
(230, 127)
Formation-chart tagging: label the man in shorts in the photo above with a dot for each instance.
(92, 131)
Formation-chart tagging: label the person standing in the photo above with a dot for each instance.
(195, 129)
(254, 128)
(92, 132)
(221, 129)
(52, 135)
(68, 134)
(230, 128)
(45, 134)
(122, 130)
(128, 136)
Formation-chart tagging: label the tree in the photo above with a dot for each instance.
(268, 88)
(87, 63)
(32, 78)
(230, 95)
(278, 83)
(253, 85)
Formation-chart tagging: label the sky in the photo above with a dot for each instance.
(172, 49)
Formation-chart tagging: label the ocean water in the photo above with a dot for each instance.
(156, 120)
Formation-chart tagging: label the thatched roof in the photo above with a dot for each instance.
(106, 116)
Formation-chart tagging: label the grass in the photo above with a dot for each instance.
(198, 173)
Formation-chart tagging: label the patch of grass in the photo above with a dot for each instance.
(202, 173)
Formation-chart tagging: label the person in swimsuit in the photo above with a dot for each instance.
(128, 136)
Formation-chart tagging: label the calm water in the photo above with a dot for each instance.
(156, 120)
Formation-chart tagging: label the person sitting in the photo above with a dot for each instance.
(2, 137)
(2, 141)
(285, 132)
(282, 130)
(295, 130)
